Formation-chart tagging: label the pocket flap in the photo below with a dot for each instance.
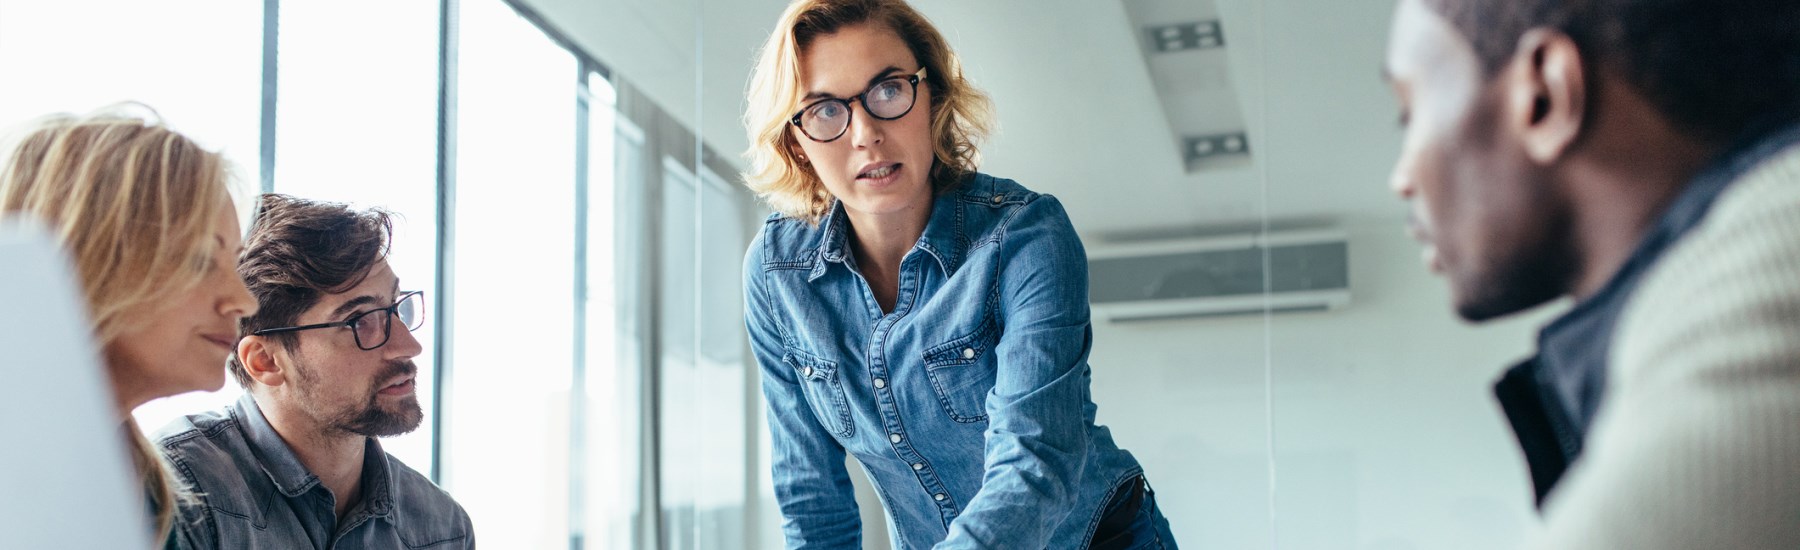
(809, 365)
(964, 349)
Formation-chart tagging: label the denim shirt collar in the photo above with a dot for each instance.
(291, 476)
(834, 233)
(943, 234)
(943, 238)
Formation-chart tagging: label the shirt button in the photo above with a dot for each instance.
(998, 198)
(940, 497)
(807, 371)
(880, 383)
(918, 465)
(894, 438)
(968, 353)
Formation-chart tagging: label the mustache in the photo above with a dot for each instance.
(396, 369)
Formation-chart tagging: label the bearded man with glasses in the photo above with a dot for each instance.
(327, 368)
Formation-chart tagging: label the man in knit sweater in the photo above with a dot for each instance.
(1641, 157)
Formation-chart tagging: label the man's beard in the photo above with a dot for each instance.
(367, 418)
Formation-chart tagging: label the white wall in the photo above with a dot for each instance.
(1386, 434)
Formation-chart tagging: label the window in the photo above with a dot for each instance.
(597, 393)
(197, 63)
(706, 382)
(507, 428)
(356, 122)
(609, 408)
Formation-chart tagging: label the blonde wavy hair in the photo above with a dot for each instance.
(131, 201)
(961, 115)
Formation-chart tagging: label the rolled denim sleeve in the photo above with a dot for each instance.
(812, 486)
(1037, 439)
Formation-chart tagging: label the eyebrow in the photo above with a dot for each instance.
(878, 78)
(350, 305)
(360, 300)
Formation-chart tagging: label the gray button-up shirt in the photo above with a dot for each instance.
(253, 493)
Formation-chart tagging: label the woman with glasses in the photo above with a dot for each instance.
(927, 319)
(147, 217)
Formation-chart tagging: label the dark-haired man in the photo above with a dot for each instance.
(327, 365)
(1643, 158)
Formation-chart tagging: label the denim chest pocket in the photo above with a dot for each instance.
(962, 372)
(823, 390)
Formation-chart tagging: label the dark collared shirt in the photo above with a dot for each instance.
(253, 493)
(1551, 399)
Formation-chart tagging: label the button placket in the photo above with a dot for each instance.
(885, 401)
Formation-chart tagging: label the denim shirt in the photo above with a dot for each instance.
(252, 493)
(968, 404)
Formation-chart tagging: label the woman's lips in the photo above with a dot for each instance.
(875, 177)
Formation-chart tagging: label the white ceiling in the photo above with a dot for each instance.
(1078, 116)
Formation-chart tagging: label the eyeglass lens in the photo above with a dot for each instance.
(887, 100)
(373, 329)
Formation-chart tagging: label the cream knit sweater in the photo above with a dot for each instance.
(1698, 442)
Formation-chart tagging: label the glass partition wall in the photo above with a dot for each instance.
(1388, 436)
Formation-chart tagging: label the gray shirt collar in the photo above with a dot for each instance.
(291, 476)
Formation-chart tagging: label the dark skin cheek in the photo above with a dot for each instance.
(1475, 190)
(1442, 200)
(1509, 234)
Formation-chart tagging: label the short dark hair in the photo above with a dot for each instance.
(300, 250)
(1713, 67)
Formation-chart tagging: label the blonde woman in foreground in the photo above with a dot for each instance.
(146, 216)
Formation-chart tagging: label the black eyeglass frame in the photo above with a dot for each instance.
(387, 332)
(850, 114)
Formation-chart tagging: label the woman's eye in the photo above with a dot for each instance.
(828, 111)
(886, 91)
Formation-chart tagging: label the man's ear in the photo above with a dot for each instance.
(258, 355)
(1546, 94)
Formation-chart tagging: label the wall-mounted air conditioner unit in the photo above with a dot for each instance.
(1305, 270)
